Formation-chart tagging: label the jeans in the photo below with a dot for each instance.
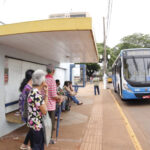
(37, 139)
(76, 88)
(63, 105)
(96, 87)
(73, 98)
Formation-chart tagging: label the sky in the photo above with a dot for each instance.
(127, 17)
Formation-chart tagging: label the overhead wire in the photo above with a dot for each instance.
(110, 4)
(3, 3)
(108, 12)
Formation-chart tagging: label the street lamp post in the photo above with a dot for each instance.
(102, 63)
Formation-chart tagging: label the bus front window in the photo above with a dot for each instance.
(137, 69)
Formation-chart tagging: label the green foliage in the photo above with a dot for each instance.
(91, 68)
(137, 40)
(109, 51)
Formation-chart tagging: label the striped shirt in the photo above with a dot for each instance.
(52, 92)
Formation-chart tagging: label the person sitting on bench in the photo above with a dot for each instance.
(71, 94)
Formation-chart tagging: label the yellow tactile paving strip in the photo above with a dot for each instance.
(92, 139)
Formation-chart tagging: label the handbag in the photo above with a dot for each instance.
(47, 128)
(72, 93)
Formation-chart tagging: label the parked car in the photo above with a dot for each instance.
(109, 79)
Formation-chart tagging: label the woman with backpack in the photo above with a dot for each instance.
(25, 88)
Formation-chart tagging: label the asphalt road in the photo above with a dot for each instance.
(138, 115)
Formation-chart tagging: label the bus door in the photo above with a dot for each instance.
(118, 69)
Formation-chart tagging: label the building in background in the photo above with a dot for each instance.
(69, 15)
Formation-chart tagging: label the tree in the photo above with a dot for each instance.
(91, 68)
(136, 40)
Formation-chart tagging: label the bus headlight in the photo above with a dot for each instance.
(125, 87)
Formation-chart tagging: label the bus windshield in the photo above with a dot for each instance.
(137, 69)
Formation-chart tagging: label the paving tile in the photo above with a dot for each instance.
(92, 139)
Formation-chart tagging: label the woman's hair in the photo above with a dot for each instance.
(28, 76)
(38, 77)
(66, 83)
(69, 82)
(57, 81)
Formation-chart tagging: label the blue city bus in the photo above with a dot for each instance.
(131, 74)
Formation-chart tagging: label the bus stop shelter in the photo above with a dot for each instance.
(60, 40)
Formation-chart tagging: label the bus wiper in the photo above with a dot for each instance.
(135, 64)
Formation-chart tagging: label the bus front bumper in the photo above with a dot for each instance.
(130, 95)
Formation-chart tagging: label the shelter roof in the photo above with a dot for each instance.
(62, 40)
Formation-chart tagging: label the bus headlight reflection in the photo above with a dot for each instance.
(125, 87)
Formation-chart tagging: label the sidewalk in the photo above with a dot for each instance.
(95, 125)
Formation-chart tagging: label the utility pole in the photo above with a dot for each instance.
(105, 54)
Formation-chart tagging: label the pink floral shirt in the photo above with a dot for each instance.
(35, 100)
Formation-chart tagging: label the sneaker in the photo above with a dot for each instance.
(24, 147)
(63, 110)
(80, 103)
(52, 142)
